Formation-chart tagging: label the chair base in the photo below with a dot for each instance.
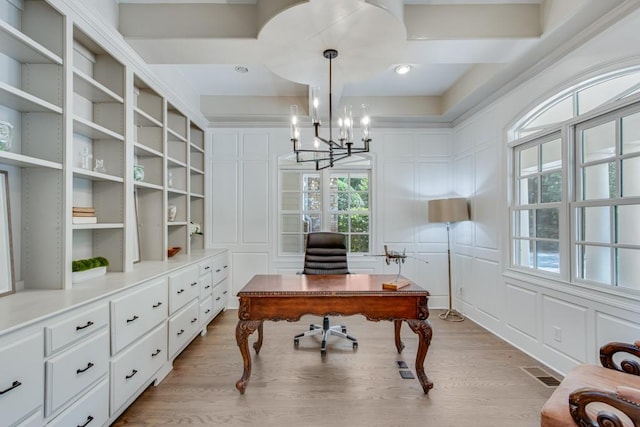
(325, 330)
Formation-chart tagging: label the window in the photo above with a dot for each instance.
(336, 199)
(575, 202)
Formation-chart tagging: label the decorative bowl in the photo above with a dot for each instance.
(173, 250)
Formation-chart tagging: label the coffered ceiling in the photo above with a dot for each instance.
(461, 52)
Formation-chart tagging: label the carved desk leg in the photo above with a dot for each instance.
(397, 324)
(258, 344)
(243, 330)
(423, 329)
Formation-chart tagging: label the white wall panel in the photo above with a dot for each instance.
(615, 329)
(462, 276)
(565, 327)
(224, 193)
(225, 145)
(398, 202)
(434, 277)
(255, 202)
(433, 183)
(486, 212)
(463, 185)
(521, 310)
(486, 292)
(398, 145)
(433, 145)
(255, 145)
(245, 265)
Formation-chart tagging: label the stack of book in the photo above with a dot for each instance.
(84, 215)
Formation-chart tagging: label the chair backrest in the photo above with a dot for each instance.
(326, 253)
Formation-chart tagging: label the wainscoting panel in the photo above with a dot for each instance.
(521, 312)
(433, 145)
(397, 145)
(225, 145)
(398, 202)
(255, 202)
(433, 183)
(224, 192)
(486, 214)
(487, 294)
(565, 327)
(245, 265)
(463, 184)
(611, 328)
(255, 145)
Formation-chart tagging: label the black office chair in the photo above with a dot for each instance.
(326, 253)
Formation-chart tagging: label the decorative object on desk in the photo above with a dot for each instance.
(136, 232)
(85, 269)
(170, 179)
(449, 211)
(7, 277)
(84, 215)
(138, 173)
(194, 228)
(85, 158)
(100, 166)
(398, 258)
(172, 211)
(6, 136)
(332, 151)
(172, 250)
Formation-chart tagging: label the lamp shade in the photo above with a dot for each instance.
(448, 210)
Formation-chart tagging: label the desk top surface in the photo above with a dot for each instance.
(321, 285)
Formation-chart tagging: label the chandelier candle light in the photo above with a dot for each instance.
(332, 151)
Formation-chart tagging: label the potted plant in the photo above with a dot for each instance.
(85, 269)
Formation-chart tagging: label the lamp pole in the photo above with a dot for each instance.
(451, 314)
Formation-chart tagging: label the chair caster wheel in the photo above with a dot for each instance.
(296, 343)
(355, 345)
(323, 353)
(311, 327)
(344, 329)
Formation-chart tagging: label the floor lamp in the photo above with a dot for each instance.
(449, 210)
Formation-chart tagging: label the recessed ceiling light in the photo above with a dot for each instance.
(240, 69)
(403, 69)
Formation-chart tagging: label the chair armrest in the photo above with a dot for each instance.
(629, 366)
(579, 399)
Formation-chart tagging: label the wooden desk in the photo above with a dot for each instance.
(275, 297)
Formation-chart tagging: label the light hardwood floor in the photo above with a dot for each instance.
(478, 380)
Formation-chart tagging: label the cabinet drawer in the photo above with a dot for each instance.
(206, 285)
(182, 327)
(34, 420)
(183, 287)
(220, 269)
(135, 314)
(92, 409)
(220, 296)
(74, 370)
(206, 310)
(21, 377)
(135, 366)
(206, 266)
(74, 328)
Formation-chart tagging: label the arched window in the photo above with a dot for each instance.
(576, 184)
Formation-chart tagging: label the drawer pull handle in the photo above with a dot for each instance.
(218, 299)
(218, 271)
(180, 291)
(89, 366)
(207, 312)
(194, 283)
(131, 374)
(133, 319)
(15, 384)
(156, 305)
(225, 266)
(195, 319)
(207, 267)
(89, 323)
(155, 353)
(89, 419)
(207, 287)
(180, 332)
(224, 293)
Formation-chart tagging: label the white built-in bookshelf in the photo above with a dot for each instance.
(71, 101)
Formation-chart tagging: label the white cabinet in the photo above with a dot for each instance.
(182, 327)
(131, 369)
(72, 371)
(74, 328)
(135, 313)
(92, 409)
(183, 287)
(21, 377)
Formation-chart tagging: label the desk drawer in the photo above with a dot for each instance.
(135, 366)
(92, 409)
(75, 328)
(21, 378)
(135, 314)
(71, 372)
(183, 287)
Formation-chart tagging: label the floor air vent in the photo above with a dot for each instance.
(542, 376)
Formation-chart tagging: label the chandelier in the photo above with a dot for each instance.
(326, 152)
